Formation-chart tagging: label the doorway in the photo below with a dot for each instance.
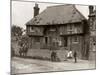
(65, 41)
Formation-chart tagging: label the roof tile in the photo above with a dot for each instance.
(60, 14)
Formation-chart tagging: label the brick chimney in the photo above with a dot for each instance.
(91, 8)
(36, 10)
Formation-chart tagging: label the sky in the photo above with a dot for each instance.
(22, 12)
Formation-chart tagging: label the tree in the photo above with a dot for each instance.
(24, 40)
(16, 31)
(23, 43)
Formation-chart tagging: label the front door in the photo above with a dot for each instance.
(53, 40)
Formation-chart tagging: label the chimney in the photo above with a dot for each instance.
(91, 8)
(36, 10)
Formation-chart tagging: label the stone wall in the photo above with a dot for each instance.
(45, 53)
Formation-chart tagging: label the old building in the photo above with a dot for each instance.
(60, 27)
(92, 32)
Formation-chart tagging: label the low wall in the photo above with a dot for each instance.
(39, 52)
(15, 46)
(45, 53)
(92, 55)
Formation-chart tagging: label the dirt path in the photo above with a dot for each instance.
(21, 65)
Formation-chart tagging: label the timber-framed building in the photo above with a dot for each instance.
(57, 28)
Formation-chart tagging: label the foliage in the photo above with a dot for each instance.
(16, 31)
(23, 40)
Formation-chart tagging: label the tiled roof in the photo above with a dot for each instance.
(60, 14)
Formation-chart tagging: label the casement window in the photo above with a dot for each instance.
(75, 39)
(52, 29)
(32, 29)
(70, 29)
(37, 39)
(35, 29)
